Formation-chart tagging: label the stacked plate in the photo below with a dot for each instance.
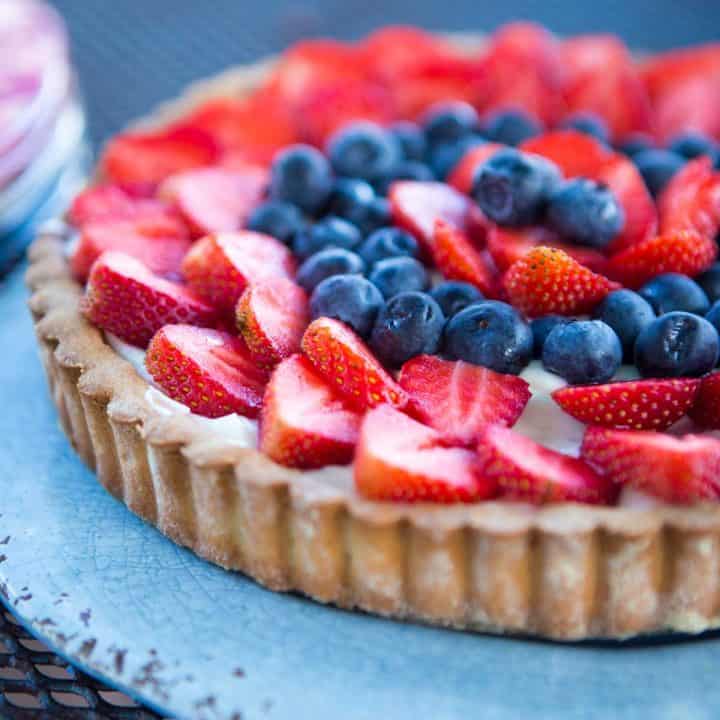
(44, 154)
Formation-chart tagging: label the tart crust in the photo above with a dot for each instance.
(565, 572)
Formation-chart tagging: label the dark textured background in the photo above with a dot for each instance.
(133, 53)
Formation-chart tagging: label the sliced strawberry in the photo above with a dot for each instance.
(160, 244)
(348, 365)
(461, 178)
(149, 157)
(683, 252)
(507, 245)
(215, 199)
(304, 423)
(123, 297)
(548, 281)
(665, 70)
(690, 106)
(401, 460)
(457, 259)
(676, 469)
(576, 154)
(691, 200)
(209, 371)
(635, 404)
(530, 472)
(219, 267)
(272, 315)
(706, 409)
(458, 399)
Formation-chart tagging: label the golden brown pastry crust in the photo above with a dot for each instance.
(566, 571)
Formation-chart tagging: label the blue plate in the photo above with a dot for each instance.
(117, 598)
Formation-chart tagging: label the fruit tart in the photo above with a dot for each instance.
(422, 327)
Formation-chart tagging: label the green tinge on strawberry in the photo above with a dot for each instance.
(304, 423)
(462, 175)
(635, 404)
(399, 459)
(160, 243)
(526, 471)
(213, 200)
(548, 281)
(676, 469)
(272, 315)
(220, 267)
(683, 252)
(457, 259)
(349, 366)
(706, 409)
(458, 398)
(125, 298)
(209, 371)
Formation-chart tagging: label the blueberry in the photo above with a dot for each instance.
(409, 324)
(326, 263)
(411, 140)
(510, 127)
(363, 150)
(386, 243)
(444, 157)
(635, 143)
(331, 231)
(713, 315)
(693, 144)
(585, 212)
(399, 274)
(453, 296)
(582, 352)
(492, 334)
(512, 188)
(352, 299)
(709, 281)
(627, 314)
(355, 200)
(589, 124)
(541, 327)
(657, 167)
(279, 219)
(672, 291)
(405, 170)
(677, 345)
(449, 123)
(301, 175)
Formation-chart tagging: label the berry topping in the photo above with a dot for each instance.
(627, 313)
(355, 201)
(399, 459)
(387, 243)
(635, 143)
(677, 345)
(510, 127)
(410, 324)
(589, 124)
(693, 144)
(585, 212)
(219, 267)
(709, 281)
(125, 298)
(209, 371)
(304, 423)
(351, 299)
(450, 122)
(635, 404)
(444, 158)
(671, 291)
(458, 399)
(411, 140)
(576, 154)
(405, 170)
(547, 281)
(526, 471)
(582, 352)
(706, 410)
(541, 327)
(272, 315)
(280, 220)
(453, 296)
(325, 264)
(657, 168)
(365, 151)
(301, 175)
(399, 274)
(491, 334)
(675, 469)
(105, 203)
(330, 232)
(461, 177)
(347, 364)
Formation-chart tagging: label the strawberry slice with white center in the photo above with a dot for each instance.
(214, 200)
(458, 398)
(457, 259)
(209, 371)
(548, 281)
(530, 472)
(304, 423)
(399, 459)
(125, 298)
(219, 267)
(635, 404)
(272, 315)
(676, 469)
(706, 410)
(349, 366)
